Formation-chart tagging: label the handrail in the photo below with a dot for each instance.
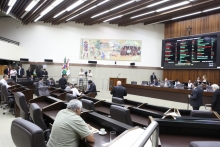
(9, 41)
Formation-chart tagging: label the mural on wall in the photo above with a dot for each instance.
(110, 49)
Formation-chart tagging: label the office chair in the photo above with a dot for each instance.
(179, 86)
(87, 104)
(26, 134)
(202, 113)
(200, 86)
(2, 100)
(43, 91)
(9, 100)
(134, 82)
(144, 83)
(121, 114)
(117, 100)
(204, 144)
(36, 88)
(69, 97)
(20, 100)
(209, 89)
(36, 115)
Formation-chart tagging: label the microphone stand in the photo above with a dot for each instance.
(118, 76)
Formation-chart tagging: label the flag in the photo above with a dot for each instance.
(65, 68)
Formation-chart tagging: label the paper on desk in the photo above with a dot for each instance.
(127, 139)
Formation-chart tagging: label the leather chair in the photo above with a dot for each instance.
(204, 144)
(2, 100)
(87, 104)
(203, 114)
(26, 134)
(36, 115)
(134, 82)
(69, 97)
(144, 83)
(121, 114)
(20, 100)
(8, 98)
(200, 86)
(117, 100)
(36, 88)
(179, 86)
(43, 91)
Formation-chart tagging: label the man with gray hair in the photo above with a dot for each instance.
(119, 91)
(69, 127)
(216, 98)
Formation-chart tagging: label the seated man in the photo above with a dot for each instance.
(216, 98)
(92, 88)
(75, 91)
(50, 82)
(119, 91)
(4, 81)
(167, 83)
(155, 82)
(69, 127)
(41, 82)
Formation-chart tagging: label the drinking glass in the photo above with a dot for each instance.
(112, 135)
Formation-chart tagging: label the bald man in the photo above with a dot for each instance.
(119, 91)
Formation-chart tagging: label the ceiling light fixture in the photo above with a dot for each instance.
(142, 14)
(11, 3)
(75, 5)
(48, 9)
(187, 15)
(113, 8)
(211, 9)
(88, 9)
(154, 4)
(31, 5)
(113, 18)
(173, 6)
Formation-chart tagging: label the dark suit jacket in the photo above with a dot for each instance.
(196, 97)
(6, 71)
(152, 78)
(28, 73)
(40, 73)
(21, 72)
(155, 83)
(119, 91)
(92, 88)
(62, 83)
(216, 100)
(50, 83)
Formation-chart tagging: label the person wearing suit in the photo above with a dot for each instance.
(63, 81)
(7, 71)
(41, 82)
(20, 72)
(50, 82)
(216, 98)
(92, 88)
(28, 73)
(155, 82)
(119, 91)
(40, 73)
(167, 83)
(152, 77)
(196, 97)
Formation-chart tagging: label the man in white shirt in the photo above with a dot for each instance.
(13, 74)
(90, 75)
(189, 84)
(4, 81)
(74, 90)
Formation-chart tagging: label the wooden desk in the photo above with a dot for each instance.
(170, 94)
(113, 82)
(60, 94)
(44, 101)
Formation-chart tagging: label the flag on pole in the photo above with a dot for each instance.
(65, 68)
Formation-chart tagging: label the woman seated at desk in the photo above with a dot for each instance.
(189, 84)
(204, 81)
(176, 82)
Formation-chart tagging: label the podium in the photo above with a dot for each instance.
(113, 82)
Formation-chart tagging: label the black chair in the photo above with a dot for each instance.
(69, 97)
(2, 100)
(87, 104)
(202, 113)
(43, 91)
(20, 100)
(204, 144)
(36, 88)
(117, 100)
(121, 114)
(26, 134)
(144, 83)
(9, 98)
(36, 115)
(180, 86)
(200, 86)
(134, 82)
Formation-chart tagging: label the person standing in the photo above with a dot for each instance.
(20, 72)
(13, 74)
(216, 98)
(28, 73)
(45, 74)
(152, 77)
(63, 81)
(81, 76)
(119, 91)
(7, 71)
(90, 75)
(196, 97)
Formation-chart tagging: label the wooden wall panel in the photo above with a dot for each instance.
(200, 25)
(183, 75)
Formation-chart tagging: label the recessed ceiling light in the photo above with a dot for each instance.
(187, 15)
(211, 9)
(11, 3)
(113, 18)
(31, 5)
(142, 14)
(157, 3)
(173, 6)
